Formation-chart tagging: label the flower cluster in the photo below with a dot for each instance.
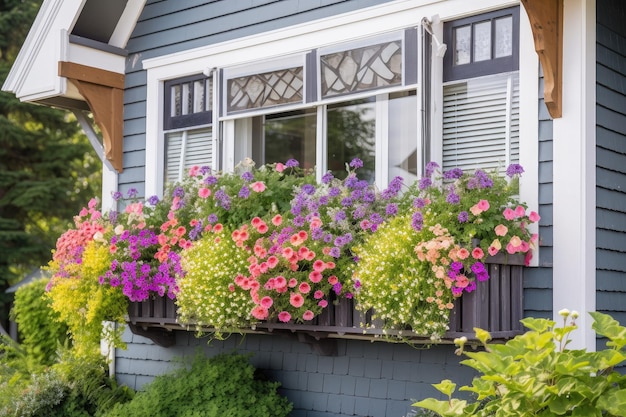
(289, 276)
(404, 289)
(480, 211)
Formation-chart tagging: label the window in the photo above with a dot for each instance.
(187, 122)
(481, 92)
(367, 102)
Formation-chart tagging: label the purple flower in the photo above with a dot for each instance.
(317, 233)
(478, 267)
(425, 183)
(153, 200)
(179, 192)
(334, 252)
(210, 180)
(419, 202)
(247, 176)
(212, 218)
(456, 266)
(356, 163)
(483, 179)
(376, 218)
(430, 168)
(337, 288)
(346, 202)
(417, 221)
(452, 197)
(359, 212)
(298, 221)
(453, 174)
(205, 169)
(463, 217)
(357, 284)
(117, 195)
(334, 192)
(292, 163)
(391, 209)
(113, 216)
(308, 189)
(244, 192)
(514, 169)
(132, 192)
(340, 215)
(328, 177)
(351, 181)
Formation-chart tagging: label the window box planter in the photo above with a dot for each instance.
(496, 305)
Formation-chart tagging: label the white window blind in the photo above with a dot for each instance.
(481, 123)
(185, 149)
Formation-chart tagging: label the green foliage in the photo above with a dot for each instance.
(222, 386)
(39, 326)
(46, 167)
(74, 387)
(535, 374)
(16, 369)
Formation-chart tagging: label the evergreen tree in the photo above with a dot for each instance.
(48, 169)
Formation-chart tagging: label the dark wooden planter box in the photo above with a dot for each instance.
(496, 306)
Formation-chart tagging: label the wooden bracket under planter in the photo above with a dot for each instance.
(495, 305)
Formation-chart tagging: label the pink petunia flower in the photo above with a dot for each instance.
(277, 220)
(296, 300)
(520, 211)
(477, 253)
(315, 276)
(258, 187)
(284, 316)
(534, 217)
(323, 303)
(304, 287)
(508, 213)
(292, 283)
(259, 313)
(483, 205)
(280, 167)
(266, 302)
(204, 192)
(193, 171)
(318, 294)
(308, 315)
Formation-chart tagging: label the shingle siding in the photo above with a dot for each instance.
(364, 379)
(611, 159)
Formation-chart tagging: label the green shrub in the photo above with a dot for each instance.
(74, 387)
(222, 386)
(38, 325)
(534, 374)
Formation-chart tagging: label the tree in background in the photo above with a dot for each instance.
(47, 167)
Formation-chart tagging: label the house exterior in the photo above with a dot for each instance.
(537, 82)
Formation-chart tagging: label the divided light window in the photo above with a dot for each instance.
(188, 113)
(481, 92)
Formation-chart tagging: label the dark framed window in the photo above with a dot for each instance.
(482, 45)
(187, 102)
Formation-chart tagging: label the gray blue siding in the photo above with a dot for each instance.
(365, 379)
(538, 281)
(611, 158)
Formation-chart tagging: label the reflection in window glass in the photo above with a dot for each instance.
(482, 41)
(186, 102)
(175, 105)
(290, 136)
(504, 37)
(198, 96)
(462, 42)
(403, 158)
(351, 134)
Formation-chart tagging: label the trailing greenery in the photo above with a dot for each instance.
(38, 325)
(535, 374)
(223, 386)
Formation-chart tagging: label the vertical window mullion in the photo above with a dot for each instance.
(183, 152)
(321, 151)
(507, 126)
(382, 141)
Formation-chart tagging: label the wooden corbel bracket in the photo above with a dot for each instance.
(546, 21)
(104, 93)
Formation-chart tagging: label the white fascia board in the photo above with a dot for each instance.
(574, 174)
(395, 15)
(127, 23)
(34, 73)
(91, 57)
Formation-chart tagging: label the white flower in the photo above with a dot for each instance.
(564, 313)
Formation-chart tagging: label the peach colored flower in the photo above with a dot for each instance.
(315, 276)
(463, 253)
(277, 220)
(475, 210)
(501, 230)
(316, 222)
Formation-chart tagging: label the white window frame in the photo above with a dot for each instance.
(324, 33)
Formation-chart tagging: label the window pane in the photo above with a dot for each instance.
(403, 158)
(198, 96)
(208, 94)
(504, 37)
(291, 135)
(351, 134)
(462, 44)
(360, 69)
(482, 41)
(186, 99)
(176, 101)
(266, 89)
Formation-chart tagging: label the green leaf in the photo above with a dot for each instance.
(538, 325)
(614, 402)
(444, 408)
(446, 387)
(607, 326)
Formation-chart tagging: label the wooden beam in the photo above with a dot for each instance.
(546, 21)
(104, 93)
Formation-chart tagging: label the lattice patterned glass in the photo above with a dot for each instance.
(360, 69)
(265, 90)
